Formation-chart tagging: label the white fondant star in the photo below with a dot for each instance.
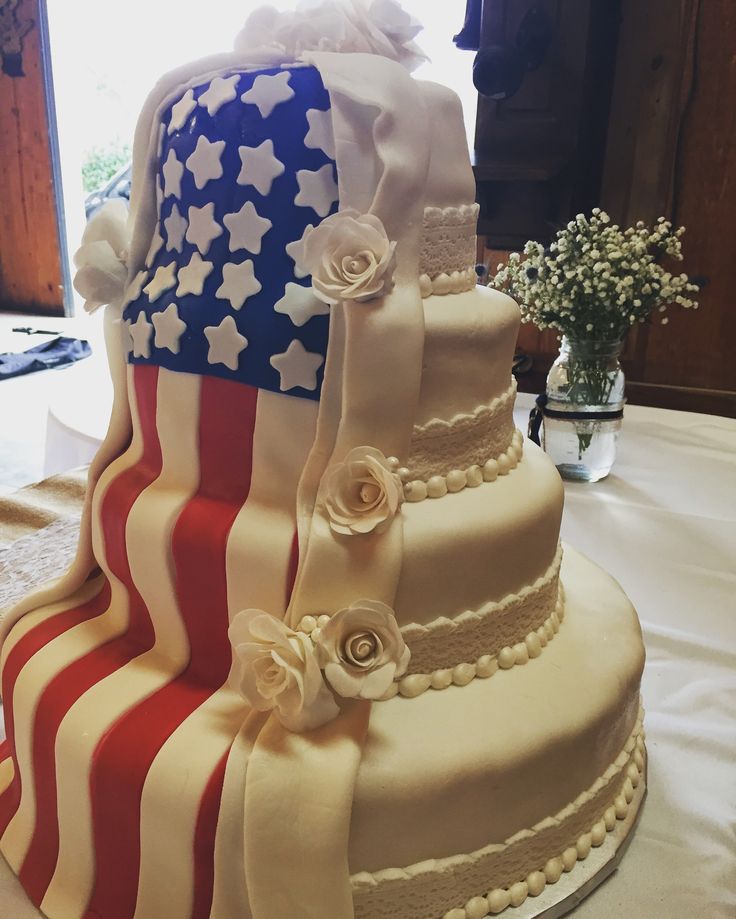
(220, 91)
(320, 135)
(247, 228)
(140, 332)
(203, 227)
(204, 164)
(297, 366)
(268, 91)
(176, 226)
(317, 189)
(159, 195)
(134, 289)
(169, 328)
(163, 280)
(295, 250)
(193, 276)
(300, 304)
(260, 166)
(238, 283)
(226, 343)
(172, 170)
(157, 241)
(181, 111)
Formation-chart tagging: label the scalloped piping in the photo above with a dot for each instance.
(447, 427)
(437, 486)
(450, 216)
(631, 758)
(444, 624)
(444, 427)
(486, 665)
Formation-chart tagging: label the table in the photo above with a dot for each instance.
(664, 524)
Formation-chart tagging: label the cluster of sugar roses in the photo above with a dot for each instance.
(358, 651)
(596, 280)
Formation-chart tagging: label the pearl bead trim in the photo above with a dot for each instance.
(486, 665)
(454, 282)
(437, 486)
(498, 899)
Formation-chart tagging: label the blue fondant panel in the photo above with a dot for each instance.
(268, 333)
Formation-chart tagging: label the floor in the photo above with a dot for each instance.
(25, 401)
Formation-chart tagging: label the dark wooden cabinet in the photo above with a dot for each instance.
(652, 134)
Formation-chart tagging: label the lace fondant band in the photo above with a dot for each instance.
(442, 445)
(487, 664)
(489, 630)
(448, 250)
(506, 874)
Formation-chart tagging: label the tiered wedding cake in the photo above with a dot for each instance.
(320, 654)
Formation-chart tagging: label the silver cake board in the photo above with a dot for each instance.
(561, 898)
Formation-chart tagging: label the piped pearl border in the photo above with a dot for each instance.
(409, 687)
(437, 486)
(500, 898)
(456, 282)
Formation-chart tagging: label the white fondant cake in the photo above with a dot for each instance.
(320, 653)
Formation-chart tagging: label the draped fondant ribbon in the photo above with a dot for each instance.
(299, 788)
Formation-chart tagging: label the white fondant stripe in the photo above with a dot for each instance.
(148, 542)
(259, 547)
(168, 818)
(47, 663)
(230, 894)
(7, 772)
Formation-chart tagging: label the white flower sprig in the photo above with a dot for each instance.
(596, 280)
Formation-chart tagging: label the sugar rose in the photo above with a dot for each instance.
(363, 493)
(362, 650)
(350, 257)
(279, 670)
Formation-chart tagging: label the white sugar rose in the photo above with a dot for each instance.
(363, 493)
(377, 27)
(362, 650)
(350, 257)
(101, 260)
(279, 670)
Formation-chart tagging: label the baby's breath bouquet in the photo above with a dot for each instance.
(596, 280)
(592, 284)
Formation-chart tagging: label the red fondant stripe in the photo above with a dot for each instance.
(123, 758)
(72, 682)
(29, 645)
(293, 567)
(204, 842)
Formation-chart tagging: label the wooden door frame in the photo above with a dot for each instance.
(34, 271)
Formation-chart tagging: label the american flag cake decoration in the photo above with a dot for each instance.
(246, 167)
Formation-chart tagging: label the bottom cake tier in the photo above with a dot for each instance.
(468, 799)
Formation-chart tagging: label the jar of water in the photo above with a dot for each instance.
(584, 408)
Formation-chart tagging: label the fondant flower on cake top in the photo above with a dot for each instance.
(363, 493)
(369, 26)
(349, 256)
(362, 650)
(101, 260)
(279, 670)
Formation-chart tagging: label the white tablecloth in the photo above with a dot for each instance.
(664, 524)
